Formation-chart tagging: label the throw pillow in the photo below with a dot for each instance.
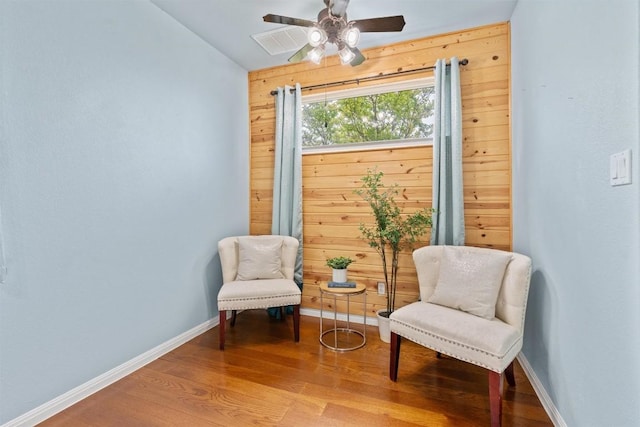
(470, 281)
(259, 258)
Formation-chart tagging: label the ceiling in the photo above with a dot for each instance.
(228, 25)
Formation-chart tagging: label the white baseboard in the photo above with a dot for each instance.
(541, 392)
(85, 390)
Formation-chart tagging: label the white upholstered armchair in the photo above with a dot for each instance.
(257, 272)
(472, 307)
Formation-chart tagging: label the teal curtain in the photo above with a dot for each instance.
(448, 220)
(287, 174)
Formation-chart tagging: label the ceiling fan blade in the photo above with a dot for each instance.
(279, 19)
(384, 24)
(359, 59)
(301, 54)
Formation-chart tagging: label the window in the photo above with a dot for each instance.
(397, 113)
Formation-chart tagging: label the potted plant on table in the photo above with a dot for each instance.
(339, 265)
(391, 232)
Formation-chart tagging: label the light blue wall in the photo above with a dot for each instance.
(123, 159)
(575, 68)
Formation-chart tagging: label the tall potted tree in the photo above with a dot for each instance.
(391, 232)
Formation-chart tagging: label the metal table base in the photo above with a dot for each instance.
(346, 333)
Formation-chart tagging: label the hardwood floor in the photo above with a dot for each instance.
(264, 378)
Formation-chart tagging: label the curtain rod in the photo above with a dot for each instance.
(464, 61)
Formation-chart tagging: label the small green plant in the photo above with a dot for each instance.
(392, 231)
(339, 262)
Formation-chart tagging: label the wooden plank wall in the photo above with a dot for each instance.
(332, 211)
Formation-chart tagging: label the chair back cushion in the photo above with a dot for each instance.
(470, 280)
(258, 257)
(513, 292)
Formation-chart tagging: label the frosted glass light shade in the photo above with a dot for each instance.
(316, 54)
(351, 36)
(346, 55)
(316, 36)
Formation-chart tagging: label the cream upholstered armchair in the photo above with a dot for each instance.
(257, 272)
(472, 308)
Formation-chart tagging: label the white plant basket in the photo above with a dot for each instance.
(340, 275)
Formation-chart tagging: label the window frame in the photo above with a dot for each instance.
(363, 91)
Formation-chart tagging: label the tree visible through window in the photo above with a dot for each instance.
(392, 116)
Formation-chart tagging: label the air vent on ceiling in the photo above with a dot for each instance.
(286, 39)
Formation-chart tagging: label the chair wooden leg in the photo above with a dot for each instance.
(221, 326)
(394, 358)
(282, 315)
(234, 314)
(511, 379)
(296, 322)
(495, 398)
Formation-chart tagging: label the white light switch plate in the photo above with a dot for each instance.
(620, 168)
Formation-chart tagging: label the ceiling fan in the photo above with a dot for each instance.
(333, 27)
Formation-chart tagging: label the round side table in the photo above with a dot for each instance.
(346, 334)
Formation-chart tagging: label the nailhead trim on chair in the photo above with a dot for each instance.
(456, 343)
(241, 304)
(262, 298)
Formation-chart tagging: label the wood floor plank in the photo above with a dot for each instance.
(344, 397)
(213, 403)
(304, 413)
(360, 417)
(265, 378)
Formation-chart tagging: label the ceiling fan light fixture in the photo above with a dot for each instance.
(316, 36)
(351, 35)
(316, 54)
(332, 26)
(346, 55)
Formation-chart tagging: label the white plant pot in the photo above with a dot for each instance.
(340, 275)
(383, 327)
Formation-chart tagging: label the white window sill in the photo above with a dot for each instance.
(366, 146)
